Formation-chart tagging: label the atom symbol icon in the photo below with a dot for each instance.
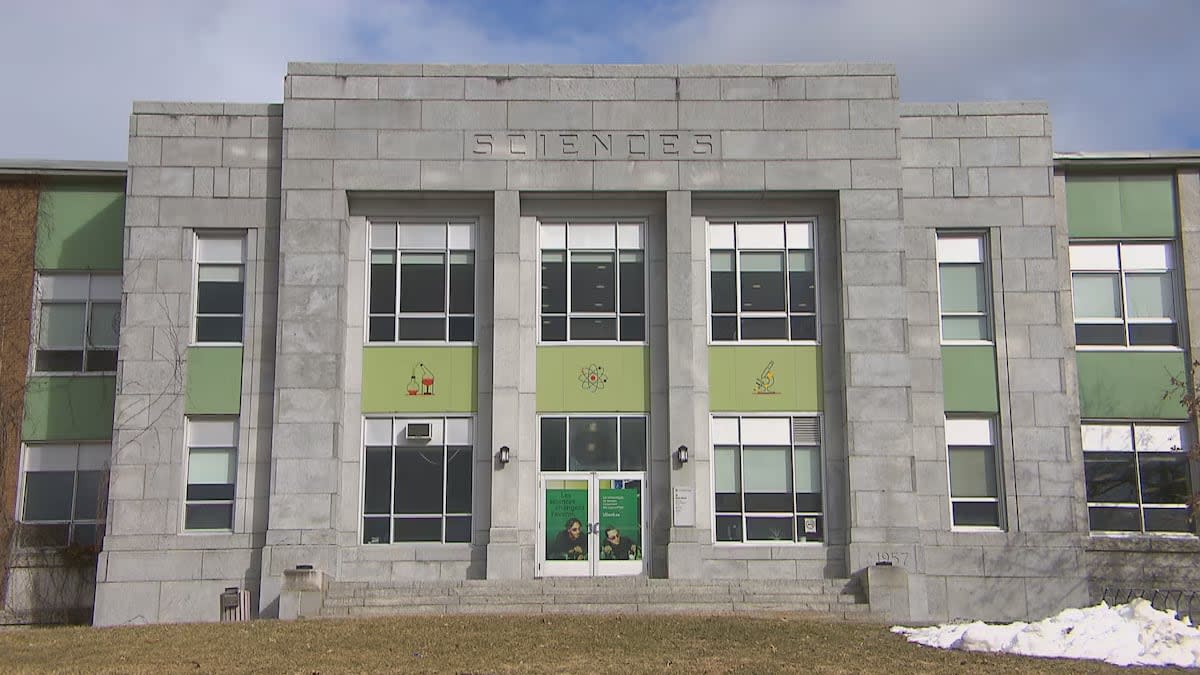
(592, 378)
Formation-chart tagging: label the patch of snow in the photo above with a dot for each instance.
(1134, 634)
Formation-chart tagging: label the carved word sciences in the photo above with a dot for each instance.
(591, 145)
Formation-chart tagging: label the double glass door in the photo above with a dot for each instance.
(592, 524)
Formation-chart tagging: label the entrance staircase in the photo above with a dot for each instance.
(832, 598)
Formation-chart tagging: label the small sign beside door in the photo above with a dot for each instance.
(683, 507)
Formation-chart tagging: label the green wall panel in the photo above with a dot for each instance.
(68, 408)
(214, 381)
(764, 378)
(1129, 385)
(969, 378)
(593, 379)
(421, 379)
(80, 226)
(1121, 206)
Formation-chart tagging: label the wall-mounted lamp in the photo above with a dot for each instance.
(682, 454)
(504, 455)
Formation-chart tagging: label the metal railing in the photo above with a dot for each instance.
(1181, 601)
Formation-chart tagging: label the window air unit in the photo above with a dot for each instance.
(418, 431)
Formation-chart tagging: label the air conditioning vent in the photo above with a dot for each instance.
(418, 431)
(806, 430)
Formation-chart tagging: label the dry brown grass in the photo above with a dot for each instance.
(503, 644)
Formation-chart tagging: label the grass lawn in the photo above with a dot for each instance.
(503, 644)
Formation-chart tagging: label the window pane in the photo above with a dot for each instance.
(422, 329)
(462, 328)
(48, 495)
(88, 490)
(593, 282)
(554, 282)
(40, 536)
(419, 482)
(765, 469)
(765, 329)
(810, 528)
(633, 282)
(1167, 520)
(383, 286)
(593, 444)
(213, 466)
(803, 327)
(1164, 478)
(377, 530)
(1109, 519)
(101, 360)
(377, 481)
(976, 514)
(1100, 334)
(725, 471)
(633, 329)
(104, 324)
(768, 502)
(972, 472)
(724, 328)
(381, 328)
(593, 329)
(724, 282)
(759, 528)
(633, 444)
(219, 297)
(210, 492)
(218, 329)
(802, 290)
(1110, 477)
(762, 282)
(458, 479)
(59, 361)
(1150, 295)
(1097, 296)
(964, 328)
(729, 528)
(962, 288)
(418, 529)
(1159, 334)
(208, 517)
(554, 329)
(85, 535)
(807, 471)
(458, 529)
(462, 282)
(422, 282)
(61, 326)
(554, 444)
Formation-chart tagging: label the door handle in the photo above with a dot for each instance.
(593, 528)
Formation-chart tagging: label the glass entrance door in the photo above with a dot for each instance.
(591, 524)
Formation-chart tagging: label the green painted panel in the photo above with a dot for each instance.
(745, 378)
(214, 381)
(1129, 385)
(69, 408)
(969, 378)
(1121, 206)
(590, 378)
(421, 379)
(80, 226)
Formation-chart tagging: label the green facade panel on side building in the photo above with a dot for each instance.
(214, 381)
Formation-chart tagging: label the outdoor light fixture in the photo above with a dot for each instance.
(682, 454)
(504, 455)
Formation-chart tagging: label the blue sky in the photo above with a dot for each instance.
(1118, 74)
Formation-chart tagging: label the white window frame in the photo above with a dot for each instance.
(28, 466)
(197, 263)
(1080, 267)
(454, 243)
(966, 431)
(568, 416)
(950, 254)
(190, 421)
(395, 422)
(790, 232)
(1184, 435)
(94, 295)
(823, 515)
(621, 238)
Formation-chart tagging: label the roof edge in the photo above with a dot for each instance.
(61, 167)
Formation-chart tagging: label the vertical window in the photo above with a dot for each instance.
(1124, 294)
(763, 281)
(963, 291)
(974, 476)
(79, 316)
(220, 287)
(767, 477)
(1138, 477)
(422, 282)
(211, 473)
(417, 480)
(593, 279)
(63, 490)
(593, 443)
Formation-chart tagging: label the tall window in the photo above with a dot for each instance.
(77, 322)
(767, 479)
(63, 489)
(593, 282)
(963, 291)
(1124, 294)
(220, 287)
(763, 283)
(211, 473)
(592, 443)
(974, 478)
(417, 480)
(1138, 478)
(422, 285)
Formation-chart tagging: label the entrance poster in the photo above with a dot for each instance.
(621, 521)
(566, 513)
